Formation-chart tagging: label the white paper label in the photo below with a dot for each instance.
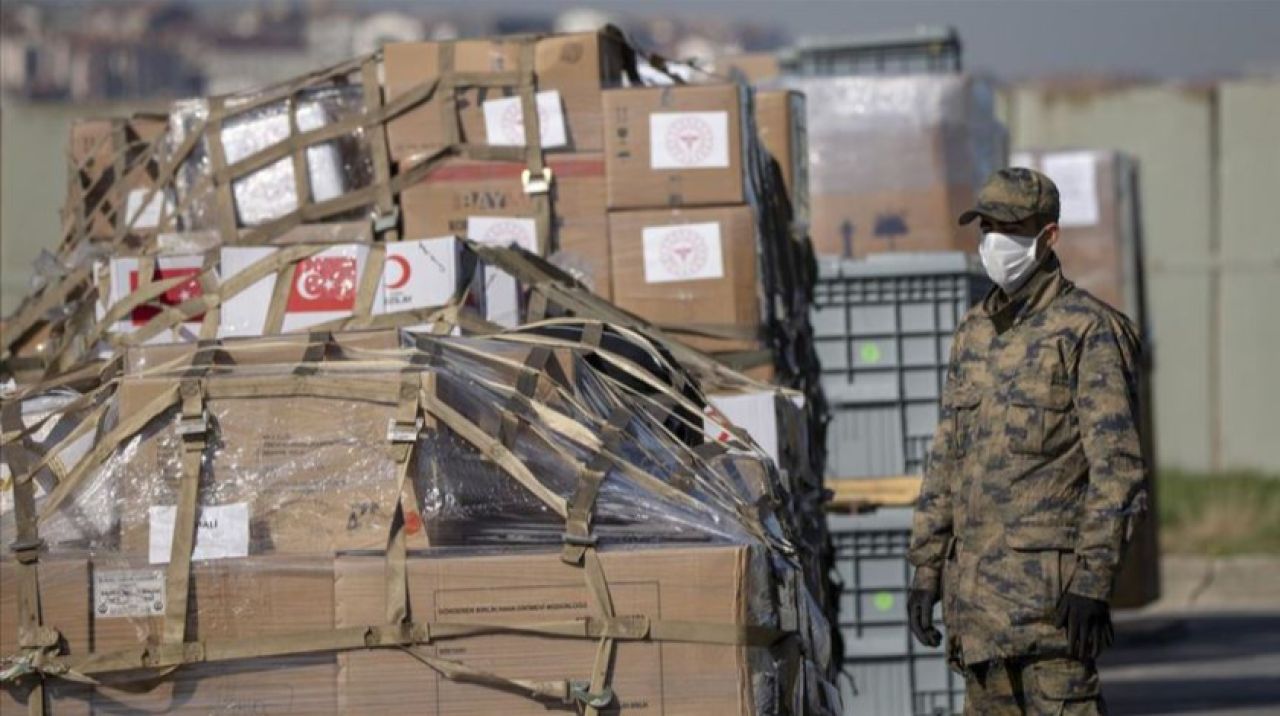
(689, 140)
(683, 252)
(504, 121)
(128, 593)
(148, 216)
(504, 231)
(420, 274)
(222, 531)
(125, 280)
(1075, 173)
(323, 289)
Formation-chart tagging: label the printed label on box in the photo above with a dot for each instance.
(683, 252)
(504, 121)
(689, 140)
(323, 289)
(222, 531)
(148, 216)
(504, 231)
(125, 280)
(1075, 173)
(420, 274)
(128, 593)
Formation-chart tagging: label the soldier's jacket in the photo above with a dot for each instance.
(1036, 468)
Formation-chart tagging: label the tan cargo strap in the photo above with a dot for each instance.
(713, 330)
(223, 191)
(91, 667)
(33, 637)
(193, 429)
(126, 428)
(525, 386)
(577, 534)
(745, 360)
(495, 451)
(402, 432)
(115, 194)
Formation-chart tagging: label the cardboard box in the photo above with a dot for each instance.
(486, 201)
(1098, 245)
(118, 604)
(861, 223)
(782, 128)
(93, 181)
(675, 146)
(574, 67)
(700, 584)
(293, 473)
(751, 67)
(894, 160)
(693, 267)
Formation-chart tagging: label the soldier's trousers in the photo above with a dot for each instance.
(1034, 687)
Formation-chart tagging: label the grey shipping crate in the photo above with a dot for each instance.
(882, 330)
(891, 673)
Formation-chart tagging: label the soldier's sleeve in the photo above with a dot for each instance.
(931, 525)
(1107, 405)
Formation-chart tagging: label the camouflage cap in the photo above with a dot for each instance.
(1013, 195)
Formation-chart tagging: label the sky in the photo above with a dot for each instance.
(1192, 39)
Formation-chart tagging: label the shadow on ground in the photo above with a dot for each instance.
(1200, 663)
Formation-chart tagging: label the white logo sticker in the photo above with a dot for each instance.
(128, 593)
(684, 252)
(1075, 173)
(420, 274)
(504, 231)
(504, 121)
(222, 531)
(689, 140)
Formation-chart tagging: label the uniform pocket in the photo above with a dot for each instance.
(1070, 684)
(1051, 547)
(960, 404)
(1039, 415)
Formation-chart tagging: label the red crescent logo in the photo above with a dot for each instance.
(404, 272)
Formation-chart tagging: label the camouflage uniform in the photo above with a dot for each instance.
(1034, 476)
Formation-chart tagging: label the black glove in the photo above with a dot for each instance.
(1088, 625)
(920, 616)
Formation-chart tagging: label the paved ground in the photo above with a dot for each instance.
(1211, 645)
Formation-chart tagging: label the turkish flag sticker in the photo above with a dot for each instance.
(184, 291)
(323, 283)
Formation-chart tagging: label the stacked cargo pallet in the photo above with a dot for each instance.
(276, 442)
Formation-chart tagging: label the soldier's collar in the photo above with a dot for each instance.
(1044, 285)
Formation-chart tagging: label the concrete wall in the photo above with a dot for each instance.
(1169, 130)
(1249, 310)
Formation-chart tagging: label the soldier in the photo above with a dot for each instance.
(1035, 474)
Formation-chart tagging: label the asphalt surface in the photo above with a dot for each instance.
(1211, 646)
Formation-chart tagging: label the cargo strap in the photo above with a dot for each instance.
(97, 668)
(402, 433)
(193, 429)
(33, 637)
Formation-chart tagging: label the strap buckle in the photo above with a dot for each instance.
(26, 550)
(191, 426)
(579, 540)
(386, 222)
(403, 431)
(536, 185)
(581, 691)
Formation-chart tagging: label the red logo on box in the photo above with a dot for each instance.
(684, 252)
(689, 140)
(184, 291)
(323, 283)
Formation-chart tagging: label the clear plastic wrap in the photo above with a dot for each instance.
(900, 132)
(333, 167)
(298, 494)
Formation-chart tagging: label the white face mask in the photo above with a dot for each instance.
(1008, 259)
